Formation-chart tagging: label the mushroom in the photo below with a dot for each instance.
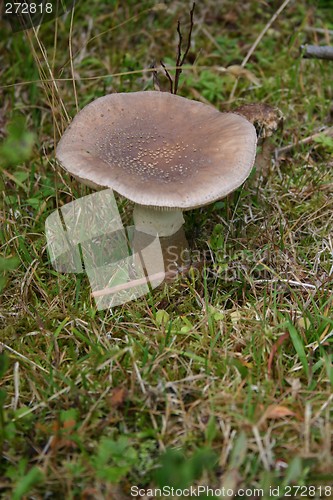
(163, 152)
(267, 120)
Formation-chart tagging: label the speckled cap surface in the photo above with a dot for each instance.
(159, 149)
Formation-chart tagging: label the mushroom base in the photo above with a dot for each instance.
(175, 252)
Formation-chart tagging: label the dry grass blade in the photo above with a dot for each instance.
(257, 41)
(71, 57)
(24, 358)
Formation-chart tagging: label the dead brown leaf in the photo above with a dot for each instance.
(278, 411)
(118, 396)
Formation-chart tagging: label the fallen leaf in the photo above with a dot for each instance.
(238, 71)
(118, 397)
(278, 411)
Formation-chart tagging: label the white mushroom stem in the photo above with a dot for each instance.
(154, 221)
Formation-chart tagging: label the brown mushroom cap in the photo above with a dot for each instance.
(158, 149)
(264, 117)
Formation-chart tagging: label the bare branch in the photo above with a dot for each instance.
(188, 46)
(317, 52)
(168, 76)
(180, 41)
(180, 59)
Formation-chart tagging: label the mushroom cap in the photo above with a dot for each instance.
(158, 149)
(264, 117)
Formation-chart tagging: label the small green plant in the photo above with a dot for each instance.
(114, 458)
(208, 83)
(178, 471)
(7, 265)
(18, 144)
(25, 479)
(325, 141)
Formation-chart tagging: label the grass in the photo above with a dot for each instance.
(223, 378)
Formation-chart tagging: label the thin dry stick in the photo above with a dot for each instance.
(306, 140)
(71, 56)
(145, 280)
(101, 77)
(45, 80)
(139, 282)
(168, 76)
(180, 41)
(317, 52)
(179, 56)
(180, 59)
(257, 41)
(128, 285)
(321, 31)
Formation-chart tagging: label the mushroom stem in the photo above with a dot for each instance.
(168, 225)
(157, 222)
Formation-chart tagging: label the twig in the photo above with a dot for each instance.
(317, 52)
(321, 31)
(168, 76)
(306, 140)
(180, 59)
(128, 285)
(108, 75)
(257, 41)
(142, 281)
(180, 41)
(292, 282)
